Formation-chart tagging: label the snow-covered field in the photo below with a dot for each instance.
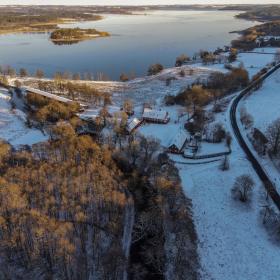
(232, 242)
(233, 245)
(264, 106)
(12, 124)
(254, 62)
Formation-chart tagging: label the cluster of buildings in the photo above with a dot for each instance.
(266, 39)
(149, 115)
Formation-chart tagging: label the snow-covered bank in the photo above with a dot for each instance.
(12, 124)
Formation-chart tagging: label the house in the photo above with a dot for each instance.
(155, 116)
(178, 142)
(133, 124)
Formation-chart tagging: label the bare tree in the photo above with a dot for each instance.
(242, 188)
(23, 72)
(225, 164)
(228, 140)
(273, 137)
(246, 119)
(39, 74)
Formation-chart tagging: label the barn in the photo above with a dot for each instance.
(155, 116)
(178, 142)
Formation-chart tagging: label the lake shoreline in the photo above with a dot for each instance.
(136, 42)
(44, 27)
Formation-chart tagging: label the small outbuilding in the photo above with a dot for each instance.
(133, 125)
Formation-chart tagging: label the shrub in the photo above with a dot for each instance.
(242, 188)
(182, 59)
(155, 69)
(124, 77)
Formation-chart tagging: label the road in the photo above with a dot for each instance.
(267, 183)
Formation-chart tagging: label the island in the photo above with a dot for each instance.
(75, 35)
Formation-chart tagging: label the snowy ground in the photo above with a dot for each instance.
(209, 148)
(165, 133)
(12, 124)
(232, 242)
(264, 106)
(254, 62)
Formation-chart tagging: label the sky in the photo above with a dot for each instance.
(133, 2)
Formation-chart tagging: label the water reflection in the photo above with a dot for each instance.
(136, 42)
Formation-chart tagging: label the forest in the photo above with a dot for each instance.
(81, 206)
(39, 19)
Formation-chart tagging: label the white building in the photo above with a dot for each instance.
(155, 116)
(133, 124)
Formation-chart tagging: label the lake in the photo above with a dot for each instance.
(136, 42)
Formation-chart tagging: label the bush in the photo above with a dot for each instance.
(216, 133)
(182, 59)
(124, 77)
(155, 69)
(242, 188)
(246, 119)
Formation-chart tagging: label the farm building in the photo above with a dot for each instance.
(178, 142)
(133, 124)
(155, 116)
(26, 90)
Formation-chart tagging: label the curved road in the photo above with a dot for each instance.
(256, 165)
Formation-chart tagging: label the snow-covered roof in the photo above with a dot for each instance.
(50, 95)
(179, 139)
(133, 124)
(90, 114)
(47, 94)
(154, 114)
